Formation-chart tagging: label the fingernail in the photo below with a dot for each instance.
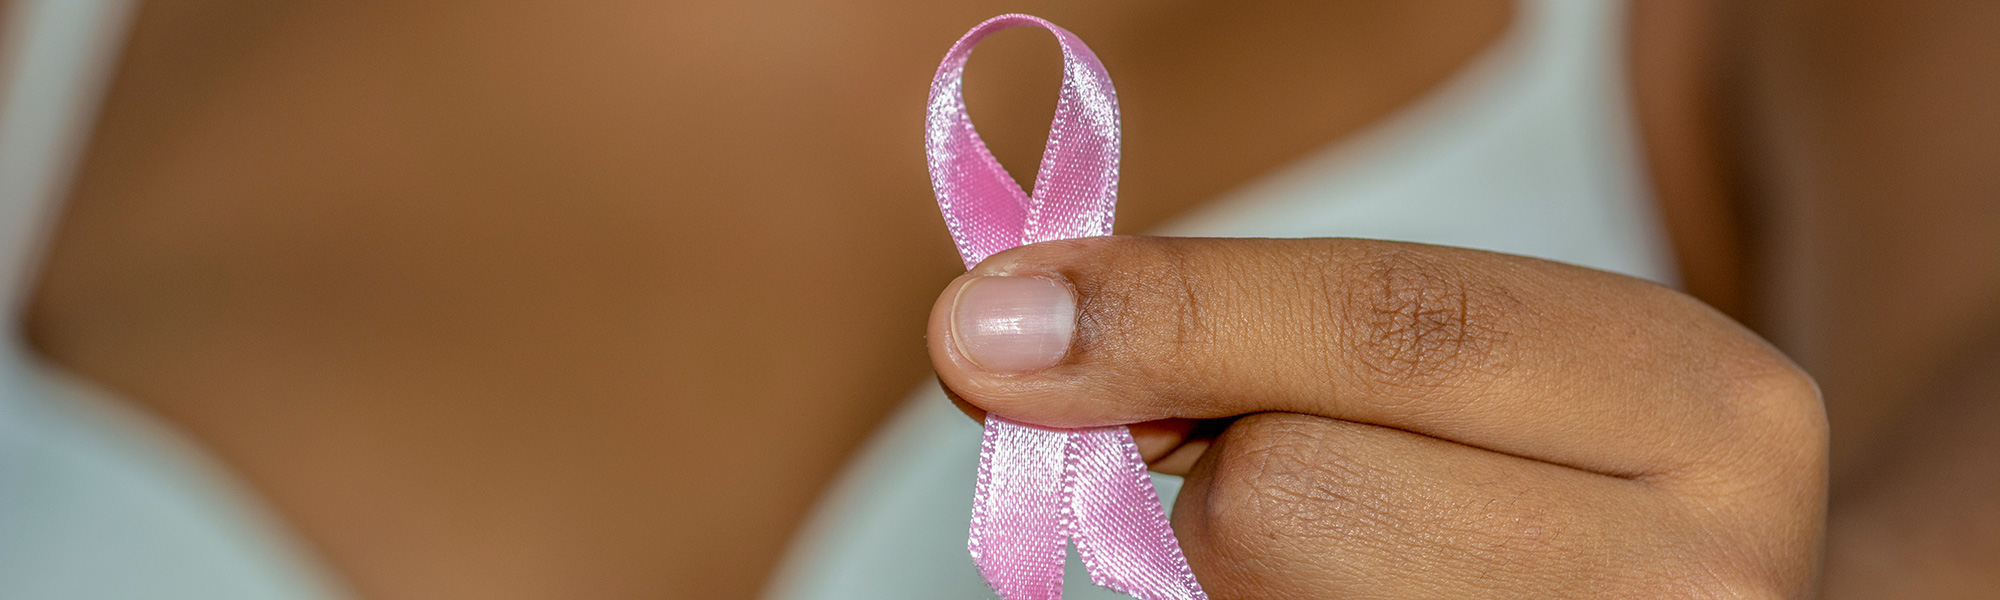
(1013, 324)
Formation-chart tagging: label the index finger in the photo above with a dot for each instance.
(1516, 355)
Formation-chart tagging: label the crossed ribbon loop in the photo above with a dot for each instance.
(1038, 488)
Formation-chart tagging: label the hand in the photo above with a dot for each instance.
(1364, 419)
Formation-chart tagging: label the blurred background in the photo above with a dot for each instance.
(516, 299)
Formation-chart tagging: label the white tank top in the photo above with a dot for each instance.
(1529, 150)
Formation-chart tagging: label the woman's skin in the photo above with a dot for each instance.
(512, 299)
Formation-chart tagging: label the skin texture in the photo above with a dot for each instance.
(1417, 421)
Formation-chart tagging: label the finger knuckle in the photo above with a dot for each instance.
(1418, 323)
(1766, 410)
(1288, 481)
(1276, 477)
(1776, 436)
(1282, 488)
(1766, 378)
(1737, 371)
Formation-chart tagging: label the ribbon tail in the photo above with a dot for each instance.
(1121, 530)
(1020, 523)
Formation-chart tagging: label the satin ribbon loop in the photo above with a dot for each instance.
(1039, 488)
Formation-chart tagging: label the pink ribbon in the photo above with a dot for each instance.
(1038, 487)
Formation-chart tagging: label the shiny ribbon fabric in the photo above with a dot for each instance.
(1039, 488)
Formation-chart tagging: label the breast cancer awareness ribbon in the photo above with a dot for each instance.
(1039, 488)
